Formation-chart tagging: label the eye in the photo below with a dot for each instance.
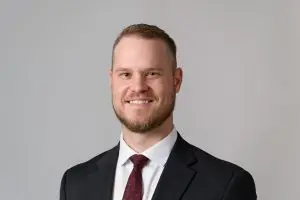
(152, 74)
(124, 75)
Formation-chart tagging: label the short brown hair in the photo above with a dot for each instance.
(149, 31)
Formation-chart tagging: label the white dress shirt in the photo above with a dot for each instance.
(157, 155)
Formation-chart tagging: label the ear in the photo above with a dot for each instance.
(178, 75)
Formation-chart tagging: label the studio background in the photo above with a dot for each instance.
(240, 98)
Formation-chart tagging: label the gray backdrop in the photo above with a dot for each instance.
(239, 100)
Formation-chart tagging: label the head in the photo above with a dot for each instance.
(144, 77)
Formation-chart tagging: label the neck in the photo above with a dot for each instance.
(139, 142)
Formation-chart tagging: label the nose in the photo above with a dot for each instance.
(138, 84)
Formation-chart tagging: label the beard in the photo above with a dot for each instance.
(156, 118)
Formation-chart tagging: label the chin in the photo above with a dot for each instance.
(138, 120)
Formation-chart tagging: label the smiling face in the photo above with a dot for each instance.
(144, 83)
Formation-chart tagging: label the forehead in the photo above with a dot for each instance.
(137, 52)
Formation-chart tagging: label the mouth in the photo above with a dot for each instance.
(139, 101)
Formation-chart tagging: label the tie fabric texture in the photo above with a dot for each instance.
(134, 187)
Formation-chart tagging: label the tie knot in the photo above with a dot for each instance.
(139, 160)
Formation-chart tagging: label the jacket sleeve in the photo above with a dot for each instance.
(241, 187)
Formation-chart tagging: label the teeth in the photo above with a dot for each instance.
(139, 101)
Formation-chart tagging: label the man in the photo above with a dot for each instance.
(152, 160)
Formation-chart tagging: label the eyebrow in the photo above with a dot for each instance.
(117, 69)
(121, 69)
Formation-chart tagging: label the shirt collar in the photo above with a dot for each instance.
(158, 153)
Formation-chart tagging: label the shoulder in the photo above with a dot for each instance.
(203, 159)
(227, 178)
(213, 163)
(90, 165)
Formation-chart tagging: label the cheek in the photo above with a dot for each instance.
(119, 92)
(164, 91)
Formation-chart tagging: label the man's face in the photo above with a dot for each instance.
(143, 83)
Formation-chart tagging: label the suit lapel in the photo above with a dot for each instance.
(101, 182)
(177, 175)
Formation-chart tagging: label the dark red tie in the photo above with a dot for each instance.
(134, 187)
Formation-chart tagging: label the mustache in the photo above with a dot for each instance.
(140, 96)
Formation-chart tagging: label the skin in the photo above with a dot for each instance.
(143, 69)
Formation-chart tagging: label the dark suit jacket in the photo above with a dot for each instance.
(189, 174)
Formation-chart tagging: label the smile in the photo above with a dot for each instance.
(139, 101)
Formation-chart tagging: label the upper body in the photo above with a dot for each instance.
(145, 80)
(189, 174)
